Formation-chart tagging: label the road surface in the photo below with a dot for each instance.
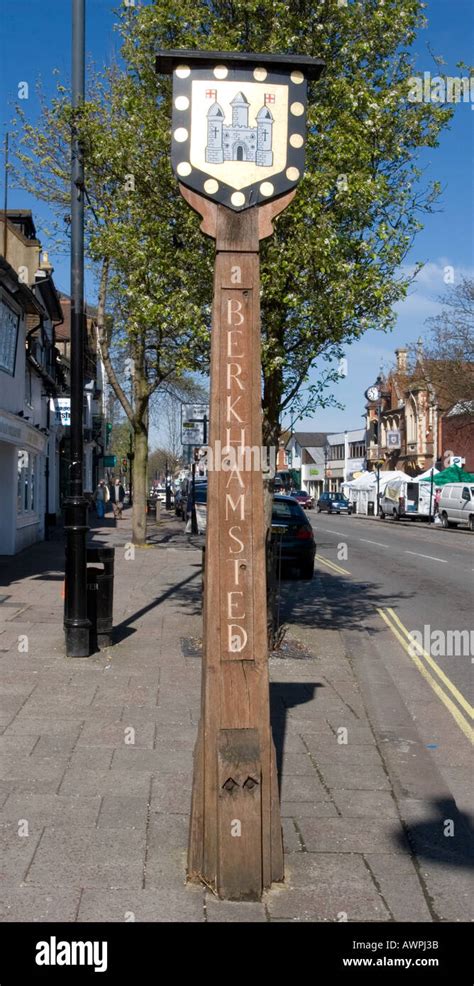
(383, 581)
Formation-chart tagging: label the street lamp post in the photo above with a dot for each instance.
(76, 623)
(167, 487)
(327, 449)
(379, 425)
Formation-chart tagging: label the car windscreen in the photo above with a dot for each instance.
(284, 510)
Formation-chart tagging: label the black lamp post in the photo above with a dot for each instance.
(76, 624)
(167, 487)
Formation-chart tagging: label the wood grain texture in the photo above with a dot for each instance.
(235, 735)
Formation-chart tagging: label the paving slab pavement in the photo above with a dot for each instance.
(96, 760)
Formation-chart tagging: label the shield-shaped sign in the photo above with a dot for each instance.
(239, 123)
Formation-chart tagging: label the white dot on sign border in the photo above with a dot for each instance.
(260, 74)
(181, 102)
(181, 134)
(184, 168)
(211, 186)
(292, 174)
(183, 71)
(237, 198)
(297, 109)
(221, 72)
(266, 188)
(296, 140)
(297, 77)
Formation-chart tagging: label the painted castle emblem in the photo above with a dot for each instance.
(239, 126)
(238, 141)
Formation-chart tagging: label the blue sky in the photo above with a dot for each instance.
(36, 40)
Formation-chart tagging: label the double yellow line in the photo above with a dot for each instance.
(332, 565)
(421, 658)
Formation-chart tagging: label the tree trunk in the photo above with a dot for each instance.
(140, 489)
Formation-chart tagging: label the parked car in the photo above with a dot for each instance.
(456, 505)
(298, 546)
(304, 499)
(200, 501)
(180, 504)
(334, 503)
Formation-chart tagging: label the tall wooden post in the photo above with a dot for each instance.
(235, 843)
(235, 837)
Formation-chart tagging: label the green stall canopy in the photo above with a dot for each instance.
(453, 474)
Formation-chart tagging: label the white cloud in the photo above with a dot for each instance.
(431, 277)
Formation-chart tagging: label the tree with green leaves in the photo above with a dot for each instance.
(333, 268)
(152, 311)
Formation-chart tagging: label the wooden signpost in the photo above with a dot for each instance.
(238, 137)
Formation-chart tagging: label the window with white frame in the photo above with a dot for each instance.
(26, 482)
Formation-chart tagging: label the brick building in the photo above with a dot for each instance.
(411, 419)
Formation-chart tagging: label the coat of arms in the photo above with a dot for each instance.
(239, 123)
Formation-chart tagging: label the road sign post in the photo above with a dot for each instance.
(238, 152)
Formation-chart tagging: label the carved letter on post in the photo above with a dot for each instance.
(238, 152)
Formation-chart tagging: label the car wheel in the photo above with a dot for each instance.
(444, 520)
(307, 571)
(319, 510)
(382, 515)
(470, 523)
(395, 515)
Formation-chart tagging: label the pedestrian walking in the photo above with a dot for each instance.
(101, 497)
(117, 496)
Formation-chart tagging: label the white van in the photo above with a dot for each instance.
(405, 498)
(456, 505)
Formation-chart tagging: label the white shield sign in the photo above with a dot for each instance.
(239, 124)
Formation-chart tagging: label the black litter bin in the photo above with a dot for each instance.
(100, 596)
(151, 507)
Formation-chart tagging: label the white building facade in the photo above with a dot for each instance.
(23, 425)
(325, 461)
(345, 457)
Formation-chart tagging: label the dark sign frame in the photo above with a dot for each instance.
(290, 71)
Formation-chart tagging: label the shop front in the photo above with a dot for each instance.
(22, 489)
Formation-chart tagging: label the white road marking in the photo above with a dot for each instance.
(431, 558)
(378, 543)
(342, 534)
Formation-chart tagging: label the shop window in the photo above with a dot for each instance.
(26, 482)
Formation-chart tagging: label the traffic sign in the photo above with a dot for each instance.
(194, 424)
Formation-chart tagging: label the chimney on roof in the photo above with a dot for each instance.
(402, 360)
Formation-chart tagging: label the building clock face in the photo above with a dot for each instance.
(372, 394)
